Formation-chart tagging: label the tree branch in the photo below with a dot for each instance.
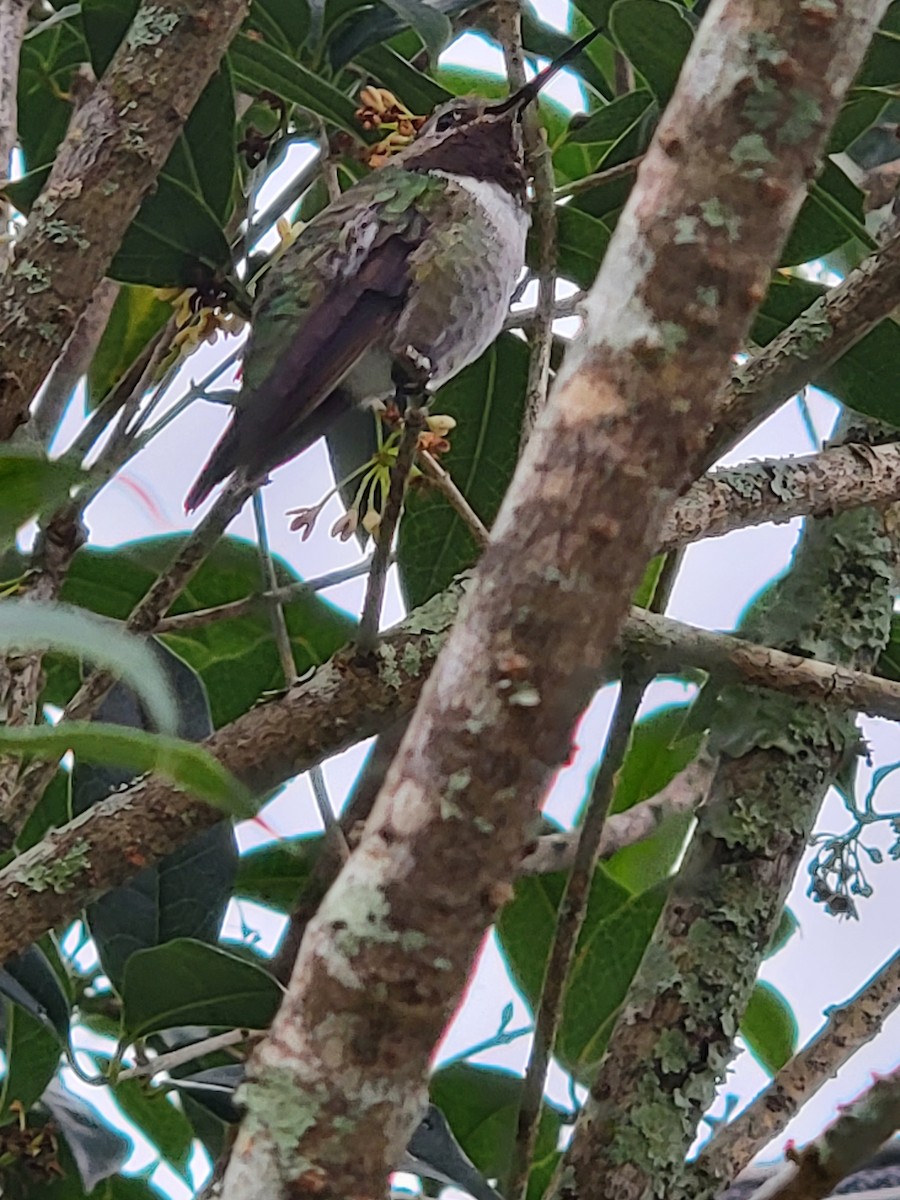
(13, 24)
(856, 1135)
(849, 1027)
(621, 437)
(115, 146)
(777, 760)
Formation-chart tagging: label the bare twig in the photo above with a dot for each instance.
(270, 587)
(406, 453)
(74, 361)
(13, 23)
(569, 922)
(682, 795)
(248, 604)
(333, 832)
(186, 1054)
(442, 480)
(588, 182)
(539, 162)
(566, 306)
(849, 1026)
(860, 1129)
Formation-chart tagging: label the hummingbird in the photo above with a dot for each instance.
(401, 282)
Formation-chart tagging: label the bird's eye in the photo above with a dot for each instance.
(447, 120)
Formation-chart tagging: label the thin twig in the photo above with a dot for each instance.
(73, 363)
(565, 306)
(681, 796)
(539, 163)
(333, 832)
(569, 922)
(588, 182)
(442, 480)
(13, 23)
(371, 616)
(286, 199)
(329, 167)
(270, 587)
(186, 1054)
(849, 1026)
(37, 775)
(182, 622)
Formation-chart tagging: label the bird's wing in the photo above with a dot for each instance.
(317, 336)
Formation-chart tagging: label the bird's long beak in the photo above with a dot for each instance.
(524, 96)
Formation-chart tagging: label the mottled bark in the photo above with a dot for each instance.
(674, 1037)
(848, 1027)
(334, 1090)
(108, 161)
(13, 23)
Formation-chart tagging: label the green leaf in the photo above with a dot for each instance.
(284, 22)
(581, 244)
(46, 66)
(30, 981)
(187, 892)
(859, 112)
(769, 1028)
(237, 659)
(155, 1114)
(881, 67)
(655, 756)
(174, 241)
(613, 121)
(355, 26)
(190, 767)
(831, 214)
(654, 36)
(32, 1057)
(615, 934)
(275, 874)
(136, 316)
(30, 485)
(260, 67)
(204, 156)
(487, 400)
(482, 1107)
(105, 23)
(52, 811)
(418, 91)
(432, 26)
(28, 625)
(863, 378)
(787, 927)
(188, 983)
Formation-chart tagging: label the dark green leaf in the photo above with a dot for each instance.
(656, 754)
(419, 92)
(860, 110)
(769, 1028)
(190, 767)
(29, 980)
(236, 659)
(45, 74)
(275, 874)
(612, 122)
(863, 378)
(881, 67)
(654, 36)
(137, 315)
(482, 1106)
(23, 192)
(52, 811)
(184, 895)
(283, 22)
(581, 244)
(31, 485)
(188, 983)
(174, 241)
(105, 23)
(831, 214)
(365, 25)
(432, 26)
(158, 1119)
(260, 67)
(32, 1057)
(486, 399)
(29, 625)
(203, 157)
(615, 934)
